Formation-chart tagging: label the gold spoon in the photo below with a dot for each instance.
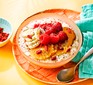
(66, 75)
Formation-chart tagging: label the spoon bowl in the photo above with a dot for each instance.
(66, 75)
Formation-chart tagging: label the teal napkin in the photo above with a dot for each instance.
(86, 26)
(83, 48)
(88, 63)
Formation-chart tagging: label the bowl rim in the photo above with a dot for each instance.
(42, 64)
(10, 34)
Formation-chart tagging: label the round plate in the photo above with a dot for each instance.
(40, 73)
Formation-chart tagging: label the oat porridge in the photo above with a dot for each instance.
(48, 40)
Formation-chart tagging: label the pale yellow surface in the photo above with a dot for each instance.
(15, 11)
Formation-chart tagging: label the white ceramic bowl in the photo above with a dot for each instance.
(7, 28)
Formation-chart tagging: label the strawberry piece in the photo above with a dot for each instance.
(54, 38)
(45, 39)
(57, 27)
(62, 36)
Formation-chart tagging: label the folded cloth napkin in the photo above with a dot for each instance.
(86, 26)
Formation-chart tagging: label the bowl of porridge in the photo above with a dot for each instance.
(48, 39)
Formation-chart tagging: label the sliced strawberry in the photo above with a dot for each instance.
(54, 38)
(45, 39)
(62, 36)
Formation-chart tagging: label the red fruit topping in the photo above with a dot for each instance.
(0, 34)
(53, 58)
(46, 47)
(49, 24)
(57, 27)
(69, 48)
(45, 39)
(43, 26)
(1, 29)
(60, 48)
(62, 36)
(53, 33)
(29, 36)
(36, 25)
(69, 30)
(38, 51)
(48, 31)
(4, 38)
(54, 38)
(3, 35)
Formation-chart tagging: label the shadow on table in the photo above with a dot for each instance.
(6, 57)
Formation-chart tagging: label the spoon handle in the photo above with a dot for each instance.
(85, 56)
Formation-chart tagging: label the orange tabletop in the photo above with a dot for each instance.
(15, 11)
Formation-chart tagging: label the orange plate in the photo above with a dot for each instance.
(44, 74)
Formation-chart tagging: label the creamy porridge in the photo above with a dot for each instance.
(48, 40)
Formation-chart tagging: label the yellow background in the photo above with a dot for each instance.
(15, 11)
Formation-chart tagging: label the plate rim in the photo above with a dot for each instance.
(35, 77)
